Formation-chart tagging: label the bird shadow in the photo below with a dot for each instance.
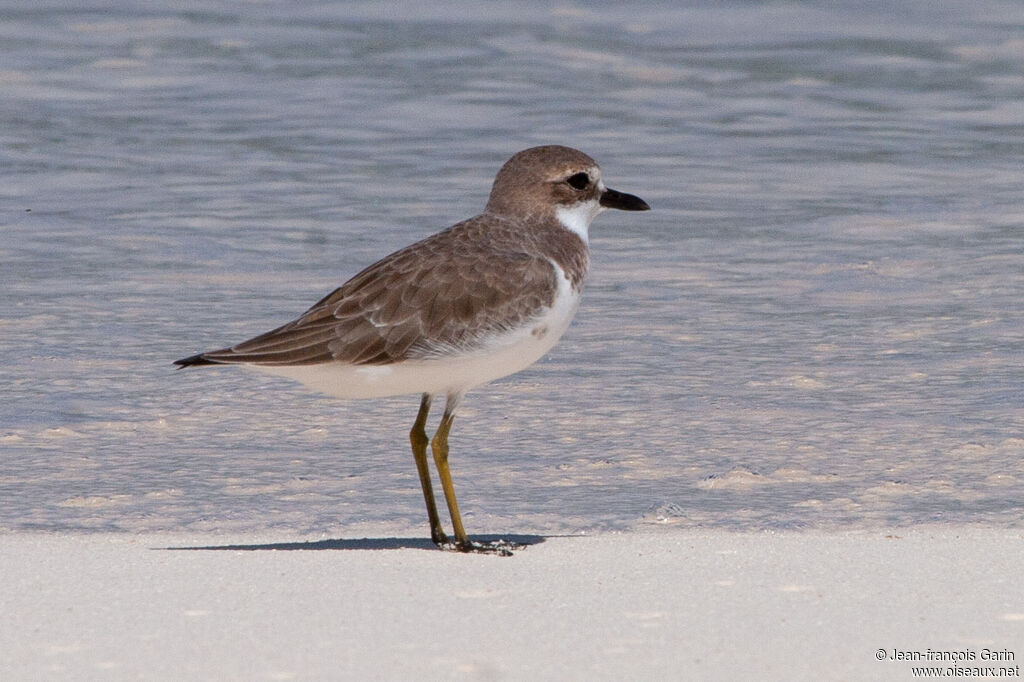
(512, 541)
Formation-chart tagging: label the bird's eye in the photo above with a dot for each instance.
(578, 181)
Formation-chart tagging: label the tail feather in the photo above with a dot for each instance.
(198, 359)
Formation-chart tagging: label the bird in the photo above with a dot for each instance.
(480, 300)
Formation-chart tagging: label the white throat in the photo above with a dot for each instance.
(576, 218)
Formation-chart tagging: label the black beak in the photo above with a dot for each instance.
(623, 201)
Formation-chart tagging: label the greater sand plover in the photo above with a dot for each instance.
(483, 299)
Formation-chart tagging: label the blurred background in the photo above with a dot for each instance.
(819, 324)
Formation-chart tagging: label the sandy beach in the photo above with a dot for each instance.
(658, 603)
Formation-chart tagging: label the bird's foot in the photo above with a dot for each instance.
(496, 547)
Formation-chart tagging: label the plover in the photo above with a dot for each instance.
(483, 299)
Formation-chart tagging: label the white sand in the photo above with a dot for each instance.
(659, 603)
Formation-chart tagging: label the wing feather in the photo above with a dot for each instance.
(414, 303)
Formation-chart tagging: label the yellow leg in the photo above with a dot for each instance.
(419, 440)
(440, 447)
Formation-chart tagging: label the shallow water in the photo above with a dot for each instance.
(818, 325)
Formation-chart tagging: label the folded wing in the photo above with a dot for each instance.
(414, 304)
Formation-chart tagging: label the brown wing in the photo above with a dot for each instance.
(446, 292)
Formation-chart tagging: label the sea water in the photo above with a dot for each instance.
(818, 325)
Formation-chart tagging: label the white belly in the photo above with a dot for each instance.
(498, 356)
